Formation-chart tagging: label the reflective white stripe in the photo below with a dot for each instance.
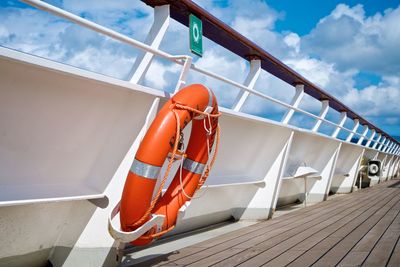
(209, 107)
(210, 97)
(193, 166)
(145, 170)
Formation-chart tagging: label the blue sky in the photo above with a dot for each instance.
(349, 48)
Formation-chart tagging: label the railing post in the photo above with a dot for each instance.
(382, 143)
(386, 146)
(363, 135)
(250, 81)
(377, 141)
(322, 114)
(182, 77)
(350, 136)
(294, 103)
(371, 138)
(343, 117)
(393, 149)
(154, 38)
(391, 143)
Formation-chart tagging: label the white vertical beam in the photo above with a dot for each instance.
(320, 189)
(382, 143)
(184, 72)
(294, 103)
(322, 114)
(263, 203)
(355, 174)
(363, 135)
(343, 117)
(250, 81)
(350, 136)
(393, 167)
(371, 138)
(377, 141)
(154, 38)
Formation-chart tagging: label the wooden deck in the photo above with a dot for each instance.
(359, 229)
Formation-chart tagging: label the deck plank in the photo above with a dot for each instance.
(368, 242)
(290, 236)
(381, 253)
(359, 228)
(394, 260)
(256, 236)
(274, 250)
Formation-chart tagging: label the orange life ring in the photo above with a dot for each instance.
(137, 203)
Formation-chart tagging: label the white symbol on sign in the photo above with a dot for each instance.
(196, 33)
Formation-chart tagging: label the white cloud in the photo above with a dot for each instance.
(376, 101)
(349, 39)
(357, 12)
(156, 76)
(293, 40)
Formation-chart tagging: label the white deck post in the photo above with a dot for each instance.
(363, 135)
(355, 174)
(343, 117)
(322, 186)
(154, 38)
(377, 141)
(371, 138)
(351, 134)
(294, 103)
(263, 204)
(391, 167)
(322, 114)
(250, 81)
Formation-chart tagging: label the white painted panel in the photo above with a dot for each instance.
(62, 135)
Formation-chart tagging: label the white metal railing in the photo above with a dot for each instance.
(186, 62)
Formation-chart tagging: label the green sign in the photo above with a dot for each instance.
(196, 35)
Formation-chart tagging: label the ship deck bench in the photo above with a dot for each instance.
(359, 229)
